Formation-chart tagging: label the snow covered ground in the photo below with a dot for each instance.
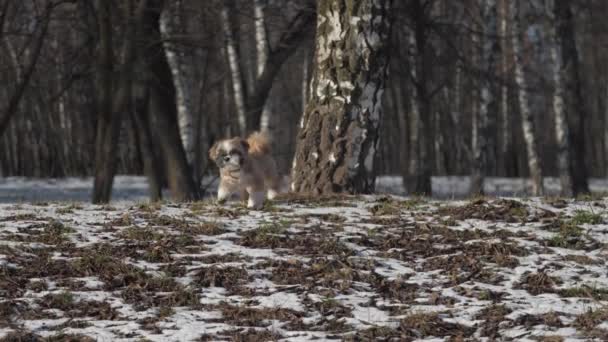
(335, 268)
(134, 188)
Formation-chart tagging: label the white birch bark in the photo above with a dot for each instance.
(238, 88)
(338, 136)
(261, 40)
(170, 25)
(524, 104)
(261, 45)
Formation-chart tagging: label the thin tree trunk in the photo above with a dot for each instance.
(561, 121)
(338, 134)
(484, 157)
(232, 53)
(171, 24)
(150, 159)
(261, 47)
(480, 140)
(299, 29)
(162, 109)
(421, 150)
(113, 100)
(108, 123)
(505, 140)
(527, 117)
(578, 107)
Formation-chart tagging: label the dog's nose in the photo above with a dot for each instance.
(227, 158)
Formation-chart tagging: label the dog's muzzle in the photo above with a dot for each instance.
(229, 161)
(221, 161)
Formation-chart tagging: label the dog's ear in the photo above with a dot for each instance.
(213, 151)
(245, 144)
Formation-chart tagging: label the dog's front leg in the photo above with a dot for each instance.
(256, 198)
(223, 193)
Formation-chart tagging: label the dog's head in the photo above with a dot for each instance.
(229, 153)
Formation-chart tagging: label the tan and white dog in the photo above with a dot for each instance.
(247, 169)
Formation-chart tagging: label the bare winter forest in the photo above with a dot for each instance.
(469, 87)
(480, 112)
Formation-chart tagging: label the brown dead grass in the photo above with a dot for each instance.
(215, 276)
(256, 317)
(537, 283)
(431, 324)
(491, 210)
(492, 316)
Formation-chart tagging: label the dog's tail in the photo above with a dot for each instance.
(259, 143)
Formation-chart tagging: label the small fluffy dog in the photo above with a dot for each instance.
(247, 169)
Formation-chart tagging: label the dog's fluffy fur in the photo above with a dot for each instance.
(247, 169)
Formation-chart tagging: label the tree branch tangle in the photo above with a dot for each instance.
(338, 134)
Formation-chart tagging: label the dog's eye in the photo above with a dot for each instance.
(234, 152)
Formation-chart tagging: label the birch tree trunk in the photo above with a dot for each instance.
(483, 151)
(261, 47)
(527, 117)
(338, 133)
(171, 24)
(232, 54)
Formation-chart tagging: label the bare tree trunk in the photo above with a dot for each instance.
(232, 53)
(505, 140)
(568, 103)
(527, 116)
(113, 100)
(150, 159)
(338, 134)
(300, 27)
(108, 122)
(413, 177)
(171, 24)
(261, 46)
(421, 149)
(162, 108)
(483, 149)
